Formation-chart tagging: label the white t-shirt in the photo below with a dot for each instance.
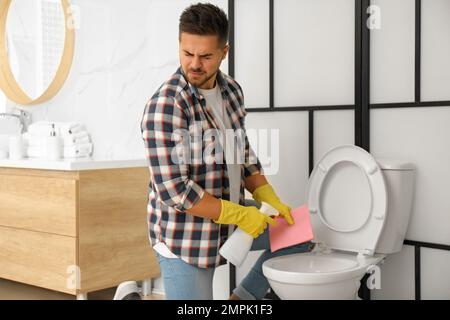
(215, 103)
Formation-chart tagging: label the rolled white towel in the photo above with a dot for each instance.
(68, 142)
(81, 154)
(71, 130)
(78, 150)
(65, 128)
(81, 137)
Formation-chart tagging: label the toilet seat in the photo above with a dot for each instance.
(347, 199)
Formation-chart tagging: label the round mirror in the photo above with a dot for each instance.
(36, 48)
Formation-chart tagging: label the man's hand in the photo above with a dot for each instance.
(249, 219)
(265, 193)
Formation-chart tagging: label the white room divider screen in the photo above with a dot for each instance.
(358, 39)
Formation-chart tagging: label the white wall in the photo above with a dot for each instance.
(435, 50)
(314, 52)
(125, 49)
(392, 53)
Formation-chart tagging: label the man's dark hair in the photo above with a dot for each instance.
(205, 19)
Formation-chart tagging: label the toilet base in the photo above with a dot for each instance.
(342, 290)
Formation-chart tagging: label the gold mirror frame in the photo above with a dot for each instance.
(8, 82)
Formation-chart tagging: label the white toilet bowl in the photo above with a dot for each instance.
(317, 275)
(360, 210)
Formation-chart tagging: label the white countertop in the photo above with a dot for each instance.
(88, 163)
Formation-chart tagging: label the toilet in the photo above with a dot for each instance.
(360, 209)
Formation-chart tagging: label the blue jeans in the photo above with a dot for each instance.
(183, 281)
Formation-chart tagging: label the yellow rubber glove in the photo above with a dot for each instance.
(265, 193)
(249, 219)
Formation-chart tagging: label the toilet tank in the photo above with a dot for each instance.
(399, 179)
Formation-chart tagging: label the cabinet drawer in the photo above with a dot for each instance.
(39, 203)
(40, 259)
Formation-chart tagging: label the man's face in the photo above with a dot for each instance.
(200, 58)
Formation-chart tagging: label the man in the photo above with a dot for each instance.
(194, 205)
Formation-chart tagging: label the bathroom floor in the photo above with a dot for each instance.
(10, 290)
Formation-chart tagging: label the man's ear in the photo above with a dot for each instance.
(225, 51)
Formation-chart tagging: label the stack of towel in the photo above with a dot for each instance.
(74, 137)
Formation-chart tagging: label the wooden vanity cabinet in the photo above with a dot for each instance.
(75, 231)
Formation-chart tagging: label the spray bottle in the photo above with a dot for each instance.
(236, 248)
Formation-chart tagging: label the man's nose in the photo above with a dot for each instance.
(196, 63)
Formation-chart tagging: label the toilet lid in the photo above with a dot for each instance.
(347, 200)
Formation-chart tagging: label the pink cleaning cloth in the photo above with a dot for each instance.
(284, 235)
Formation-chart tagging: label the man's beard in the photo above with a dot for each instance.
(199, 83)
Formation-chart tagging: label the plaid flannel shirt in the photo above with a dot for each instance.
(175, 187)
